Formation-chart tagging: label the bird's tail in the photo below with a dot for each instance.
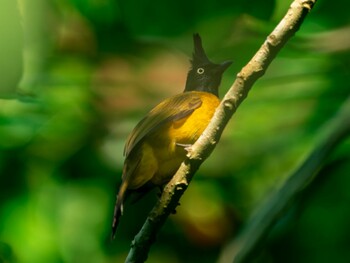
(118, 208)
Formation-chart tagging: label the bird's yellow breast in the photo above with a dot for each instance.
(168, 142)
(188, 130)
(160, 154)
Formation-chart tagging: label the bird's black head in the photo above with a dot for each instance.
(204, 75)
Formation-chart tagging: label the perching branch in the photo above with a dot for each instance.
(210, 137)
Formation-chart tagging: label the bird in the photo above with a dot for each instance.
(158, 144)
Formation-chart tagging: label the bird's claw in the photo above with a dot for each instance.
(187, 147)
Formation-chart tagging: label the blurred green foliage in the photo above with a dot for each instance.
(11, 48)
(92, 69)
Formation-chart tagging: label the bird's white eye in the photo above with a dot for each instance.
(200, 70)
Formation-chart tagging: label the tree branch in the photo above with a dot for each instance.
(208, 140)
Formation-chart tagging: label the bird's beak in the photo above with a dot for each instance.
(224, 65)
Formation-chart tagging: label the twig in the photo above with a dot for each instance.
(242, 248)
(208, 140)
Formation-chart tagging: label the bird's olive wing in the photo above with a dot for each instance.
(169, 110)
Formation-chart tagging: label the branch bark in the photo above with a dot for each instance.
(245, 79)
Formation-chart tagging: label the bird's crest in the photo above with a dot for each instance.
(199, 57)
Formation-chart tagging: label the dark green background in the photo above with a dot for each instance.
(76, 76)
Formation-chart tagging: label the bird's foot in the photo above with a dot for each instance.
(187, 147)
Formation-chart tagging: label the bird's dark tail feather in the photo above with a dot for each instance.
(116, 217)
(118, 208)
